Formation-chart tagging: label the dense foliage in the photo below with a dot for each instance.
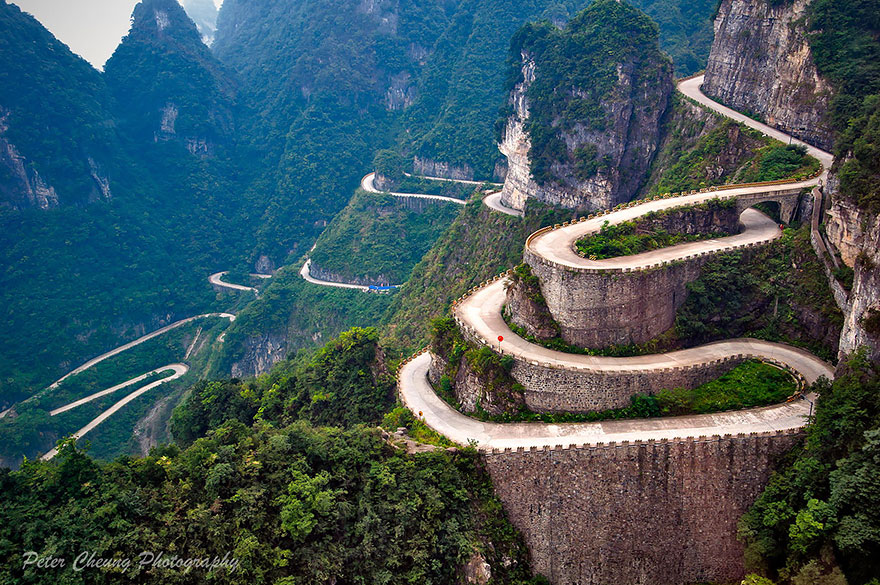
(30, 431)
(479, 244)
(80, 280)
(379, 238)
(701, 149)
(289, 502)
(818, 521)
(576, 70)
(625, 239)
(846, 48)
(342, 384)
(780, 294)
(463, 81)
(290, 505)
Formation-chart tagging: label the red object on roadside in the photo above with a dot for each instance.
(782, 226)
(500, 338)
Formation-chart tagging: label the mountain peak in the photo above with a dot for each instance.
(163, 20)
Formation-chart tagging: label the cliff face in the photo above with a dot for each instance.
(582, 134)
(856, 235)
(761, 63)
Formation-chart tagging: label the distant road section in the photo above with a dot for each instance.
(368, 186)
(493, 201)
(305, 272)
(137, 342)
(419, 396)
(178, 371)
(215, 279)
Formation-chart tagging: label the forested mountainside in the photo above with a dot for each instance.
(290, 502)
(137, 229)
(43, 85)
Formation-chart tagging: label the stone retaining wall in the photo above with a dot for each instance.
(619, 513)
(550, 387)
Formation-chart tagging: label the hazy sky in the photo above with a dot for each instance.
(91, 28)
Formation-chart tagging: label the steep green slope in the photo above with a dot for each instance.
(479, 244)
(377, 239)
(79, 280)
(463, 84)
(845, 46)
(167, 83)
(817, 520)
(700, 149)
(55, 113)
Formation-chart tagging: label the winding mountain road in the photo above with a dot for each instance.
(367, 184)
(481, 313)
(178, 370)
(216, 280)
(492, 200)
(419, 396)
(135, 343)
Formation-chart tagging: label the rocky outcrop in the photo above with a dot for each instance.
(401, 92)
(761, 63)
(426, 167)
(599, 158)
(260, 354)
(526, 306)
(21, 185)
(856, 235)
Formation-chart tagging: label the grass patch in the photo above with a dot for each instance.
(750, 384)
(627, 238)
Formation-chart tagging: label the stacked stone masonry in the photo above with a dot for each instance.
(620, 513)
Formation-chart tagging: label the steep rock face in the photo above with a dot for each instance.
(856, 235)
(261, 353)
(56, 131)
(21, 184)
(595, 131)
(761, 63)
(431, 168)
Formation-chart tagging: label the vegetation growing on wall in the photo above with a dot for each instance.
(750, 384)
(498, 388)
(641, 235)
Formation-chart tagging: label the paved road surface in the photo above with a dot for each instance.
(559, 245)
(493, 201)
(137, 342)
(418, 395)
(691, 88)
(178, 371)
(367, 185)
(481, 312)
(215, 279)
(110, 390)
